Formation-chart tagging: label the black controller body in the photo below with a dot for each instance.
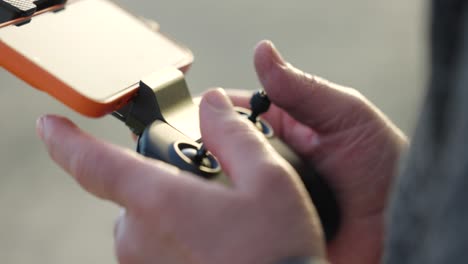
(163, 142)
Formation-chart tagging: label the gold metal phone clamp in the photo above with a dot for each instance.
(163, 95)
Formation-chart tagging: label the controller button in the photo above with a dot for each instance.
(262, 125)
(207, 167)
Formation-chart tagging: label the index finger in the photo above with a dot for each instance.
(107, 171)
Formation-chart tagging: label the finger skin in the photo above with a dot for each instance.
(244, 153)
(320, 104)
(300, 137)
(108, 171)
(173, 217)
(247, 157)
(357, 152)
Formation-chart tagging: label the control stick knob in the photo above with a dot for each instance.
(259, 104)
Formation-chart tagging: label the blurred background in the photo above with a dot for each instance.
(378, 47)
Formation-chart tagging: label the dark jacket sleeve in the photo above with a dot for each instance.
(428, 218)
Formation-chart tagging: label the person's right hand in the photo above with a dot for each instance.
(347, 139)
(171, 216)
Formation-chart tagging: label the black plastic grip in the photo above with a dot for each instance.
(14, 9)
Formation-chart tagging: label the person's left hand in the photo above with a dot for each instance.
(173, 216)
(348, 140)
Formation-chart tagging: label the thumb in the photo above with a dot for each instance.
(244, 153)
(321, 105)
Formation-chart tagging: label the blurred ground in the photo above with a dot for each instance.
(376, 46)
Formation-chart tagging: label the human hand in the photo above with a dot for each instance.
(173, 216)
(347, 139)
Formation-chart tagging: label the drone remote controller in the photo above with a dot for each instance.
(159, 110)
(167, 137)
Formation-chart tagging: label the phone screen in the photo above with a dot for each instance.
(95, 47)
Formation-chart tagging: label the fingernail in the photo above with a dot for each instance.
(40, 127)
(218, 100)
(43, 125)
(276, 55)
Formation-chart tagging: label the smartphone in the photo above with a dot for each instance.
(89, 54)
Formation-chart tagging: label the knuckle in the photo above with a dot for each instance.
(79, 165)
(359, 105)
(87, 170)
(311, 80)
(53, 150)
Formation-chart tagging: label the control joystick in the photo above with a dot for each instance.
(259, 104)
(196, 159)
(200, 155)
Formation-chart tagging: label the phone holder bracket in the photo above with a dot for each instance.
(164, 96)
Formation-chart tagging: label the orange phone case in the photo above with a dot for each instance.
(32, 73)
